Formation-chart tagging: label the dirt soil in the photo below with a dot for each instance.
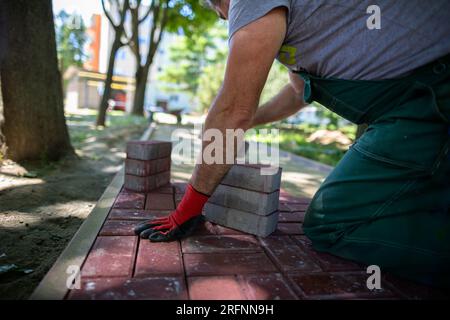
(41, 207)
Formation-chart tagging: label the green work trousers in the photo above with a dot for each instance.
(387, 202)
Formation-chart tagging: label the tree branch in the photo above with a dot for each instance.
(108, 14)
(155, 42)
(150, 9)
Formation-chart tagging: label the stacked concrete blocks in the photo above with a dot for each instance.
(147, 166)
(246, 200)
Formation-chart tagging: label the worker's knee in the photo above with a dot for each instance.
(322, 225)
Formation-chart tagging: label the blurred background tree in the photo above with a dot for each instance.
(186, 17)
(71, 38)
(198, 65)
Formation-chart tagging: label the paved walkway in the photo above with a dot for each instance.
(221, 263)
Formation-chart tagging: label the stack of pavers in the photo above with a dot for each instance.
(246, 200)
(147, 166)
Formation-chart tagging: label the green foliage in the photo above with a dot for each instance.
(295, 141)
(190, 16)
(70, 39)
(277, 79)
(334, 119)
(209, 85)
(198, 64)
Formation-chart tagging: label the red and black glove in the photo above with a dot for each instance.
(180, 223)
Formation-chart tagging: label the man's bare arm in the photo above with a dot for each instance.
(286, 103)
(252, 52)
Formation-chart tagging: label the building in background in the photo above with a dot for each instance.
(85, 86)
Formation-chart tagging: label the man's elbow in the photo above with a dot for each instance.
(240, 118)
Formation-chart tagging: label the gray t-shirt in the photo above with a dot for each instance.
(331, 38)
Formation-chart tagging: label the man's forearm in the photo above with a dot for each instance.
(286, 103)
(221, 117)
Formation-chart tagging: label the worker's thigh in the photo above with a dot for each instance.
(387, 202)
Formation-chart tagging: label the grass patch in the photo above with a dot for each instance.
(294, 139)
(82, 127)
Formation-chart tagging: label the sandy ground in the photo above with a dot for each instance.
(39, 214)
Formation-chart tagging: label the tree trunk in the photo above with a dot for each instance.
(103, 107)
(139, 92)
(35, 126)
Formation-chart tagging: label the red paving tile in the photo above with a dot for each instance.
(415, 291)
(198, 264)
(159, 201)
(288, 229)
(218, 244)
(130, 200)
(222, 263)
(337, 286)
(158, 259)
(154, 288)
(298, 216)
(110, 257)
(164, 189)
(215, 288)
(180, 187)
(209, 228)
(132, 214)
(288, 255)
(297, 206)
(118, 228)
(267, 287)
(327, 261)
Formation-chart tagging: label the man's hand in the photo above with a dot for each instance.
(179, 224)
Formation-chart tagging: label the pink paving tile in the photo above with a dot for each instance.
(326, 261)
(337, 286)
(159, 201)
(132, 214)
(154, 288)
(267, 287)
(288, 255)
(226, 263)
(110, 257)
(215, 288)
(162, 258)
(118, 228)
(290, 228)
(291, 216)
(130, 200)
(217, 244)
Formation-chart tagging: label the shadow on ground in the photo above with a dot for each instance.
(40, 213)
